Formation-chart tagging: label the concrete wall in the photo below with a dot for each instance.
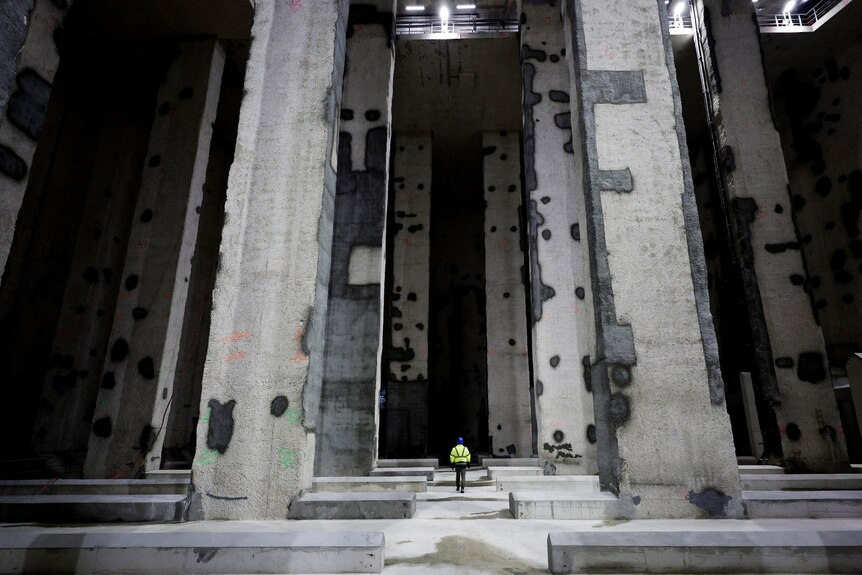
(559, 288)
(407, 388)
(14, 20)
(509, 394)
(264, 369)
(664, 439)
(347, 441)
(797, 384)
(21, 126)
(138, 378)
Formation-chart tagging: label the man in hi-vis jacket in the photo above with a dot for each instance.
(459, 457)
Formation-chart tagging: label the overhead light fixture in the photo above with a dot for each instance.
(414, 8)
(789, 6)
(678, 9)
(465, 7)
(444, 13)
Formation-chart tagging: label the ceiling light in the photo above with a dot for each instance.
(444, 13)
(414, 8)
(790, 5)
(466, 7)
(678, 9)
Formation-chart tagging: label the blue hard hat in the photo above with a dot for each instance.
(460, 440)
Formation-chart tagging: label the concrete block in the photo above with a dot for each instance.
(760, 469)
(426, 472)
(746, 460)
(35, 551)
(91, 508)
(856, 467)
(168, 473)
(511, 462)
(555, 505)
(394, 505)
(95, 487)
(706, 552)
(389, 463)
(414, 484)
(497, 472)
(802, 504)
(811, 481)
(559, 483)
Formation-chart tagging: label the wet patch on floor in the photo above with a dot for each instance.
(470, 553)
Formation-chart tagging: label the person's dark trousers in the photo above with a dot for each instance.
(460, 475)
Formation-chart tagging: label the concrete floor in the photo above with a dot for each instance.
(469, 534)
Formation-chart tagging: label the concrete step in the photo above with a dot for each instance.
(427, 462)
(101, 553)
(415, 484)
(497, 472)
(802, 504)
(391, 505)
(746, 460)
(510, 462)
(856, 467)
(95, 487)
(169, 474)
(760, 469)
(91, 508)
(808, 482)
(558, 483)
(558, 505)
(426, 472)
(706, 552)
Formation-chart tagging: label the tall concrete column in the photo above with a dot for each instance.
(509, 411)
(138, 379)
(560, 291)
(789, 344)
(347, 438)
(25, 102)
(263, 374)
(407, 388)
(664, 439)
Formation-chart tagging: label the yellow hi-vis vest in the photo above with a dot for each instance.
(459, 454)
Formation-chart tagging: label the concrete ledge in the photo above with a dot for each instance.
(169, 474)
(760, 469)
(564, 483)
(511, 462)
(746, 460)
(856, 467)
(802, 504)
(370, 484)
(91, 508)
(812, 481)
(555, 505)
(387, 463)
(426, 472)
(95, 487)
(706, 552)
(394, 505)
(35, 551)
(497, 472)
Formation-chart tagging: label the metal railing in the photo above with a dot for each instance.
(807, 21)
(475, 23)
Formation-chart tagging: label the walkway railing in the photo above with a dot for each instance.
(457, 24)
(807, 21)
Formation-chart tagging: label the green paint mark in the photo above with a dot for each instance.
(292, 416)
(207, 457)
(286, 458)
(209, 412)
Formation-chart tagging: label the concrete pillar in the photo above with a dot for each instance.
(789, 344)
(138, 379)
(854, 377)
(347, 437)
(27, 100)
(83, 329)
(664, 439)
(560, 291)
(407, 389)
(755, 435)
(509, 410)
(264, 368)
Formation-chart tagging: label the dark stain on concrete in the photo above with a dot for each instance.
(12, 165)
(711, 500)
(102, 427)
(278, 406)
(220, 430)
(28, 104)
